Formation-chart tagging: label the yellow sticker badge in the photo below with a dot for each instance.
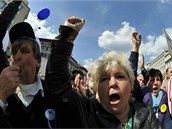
(163, 108)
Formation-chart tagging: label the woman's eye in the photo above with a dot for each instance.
(104, 79)
(120, 77)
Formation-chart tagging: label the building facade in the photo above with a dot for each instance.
(46, 51)
(21, 15)
(161, 62)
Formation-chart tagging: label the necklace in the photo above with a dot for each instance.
(128, 125)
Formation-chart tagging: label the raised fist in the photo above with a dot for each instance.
(75, 23)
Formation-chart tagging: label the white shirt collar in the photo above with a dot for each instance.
(26, 93)
(32, 89)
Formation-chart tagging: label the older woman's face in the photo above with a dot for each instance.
(114, 90)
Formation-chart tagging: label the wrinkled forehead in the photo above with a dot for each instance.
(115, 68)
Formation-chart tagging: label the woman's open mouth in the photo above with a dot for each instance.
(114, 98)
(155, 88)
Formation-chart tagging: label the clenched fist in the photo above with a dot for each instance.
(75, 23)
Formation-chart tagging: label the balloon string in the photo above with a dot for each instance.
(49, 125)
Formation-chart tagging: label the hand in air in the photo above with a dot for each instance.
(75, 23)
(136, 41)
(136, 38)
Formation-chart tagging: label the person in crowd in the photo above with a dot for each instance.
(157, 97)
(73, 77)
(137, 92)
(168, 74)
(167, 86)
(168, 90)
(89, 84)
(6, 17)
(140, 79)
(143, 70)
(113, 79)
(79, 85)
(22, 90)
(89, 80)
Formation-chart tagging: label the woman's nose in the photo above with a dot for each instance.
(112, 82)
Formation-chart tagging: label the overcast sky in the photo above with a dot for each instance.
(109, 25)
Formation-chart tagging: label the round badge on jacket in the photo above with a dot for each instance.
(163, 108)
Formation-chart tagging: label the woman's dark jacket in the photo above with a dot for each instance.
(163, 117)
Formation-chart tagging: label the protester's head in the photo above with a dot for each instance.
(27, 42)
(25, 51)
(169, 72)
(75, 73)
(113, 80)
(140, 79)
(89, 80)
(153, 79)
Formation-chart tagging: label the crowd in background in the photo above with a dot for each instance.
(114, 94)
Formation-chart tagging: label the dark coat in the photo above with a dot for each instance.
(32, 116)
(19, 116)
(5, 20)
(137, 91)
(164, 118)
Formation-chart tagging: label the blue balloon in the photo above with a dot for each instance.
(43, 14)
(50, 114)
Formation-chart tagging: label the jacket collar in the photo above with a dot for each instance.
(140, 114)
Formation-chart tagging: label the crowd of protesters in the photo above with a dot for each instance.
(111, 97)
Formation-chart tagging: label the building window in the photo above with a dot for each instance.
(20, 7)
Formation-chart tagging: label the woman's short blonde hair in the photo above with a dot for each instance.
(108, 61)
